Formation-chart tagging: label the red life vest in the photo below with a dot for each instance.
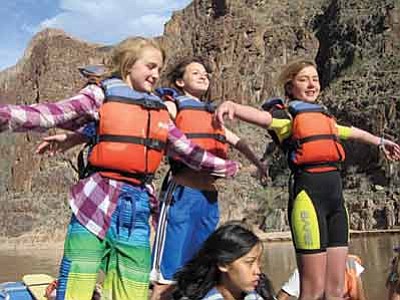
(131, 135)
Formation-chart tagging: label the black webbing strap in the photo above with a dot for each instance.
(317, 137)
(149, 143)
(207, 108)
(218, 137)
(142, 177)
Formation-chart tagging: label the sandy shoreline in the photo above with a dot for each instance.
(57, 241)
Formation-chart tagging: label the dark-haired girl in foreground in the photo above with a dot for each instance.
(226, 267)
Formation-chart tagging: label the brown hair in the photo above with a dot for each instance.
(180, 68)
(290, 72)
(127, 52)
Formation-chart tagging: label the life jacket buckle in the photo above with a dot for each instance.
(147, 178)
(155, 144)
(151, 104)
(210, 107)
(220, 138)
(292, 145)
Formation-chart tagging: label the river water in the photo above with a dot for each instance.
(279, 260)
(375, 251)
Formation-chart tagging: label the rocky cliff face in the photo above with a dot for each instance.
(34, 190)
(247, 42)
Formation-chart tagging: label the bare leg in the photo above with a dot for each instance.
(335, 273)
(312, 268)
(161, 291)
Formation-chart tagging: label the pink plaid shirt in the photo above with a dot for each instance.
(94, 199)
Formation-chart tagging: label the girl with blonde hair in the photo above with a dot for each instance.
(309, 136)
(109, 226)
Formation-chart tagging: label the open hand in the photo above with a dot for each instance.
(391, 150)
(263, 175)
(52, 144)
(58, 143)
(226, 109)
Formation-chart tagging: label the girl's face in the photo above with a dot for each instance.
(305, 85)
(145, 72)
(243, 274)
(195, 81)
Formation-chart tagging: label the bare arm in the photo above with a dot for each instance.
(364, 136)
(243, 112)
(242, 146)
(389, 148)
(60, 143)
(181, 148)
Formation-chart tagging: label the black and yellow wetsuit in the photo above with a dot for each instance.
(317, 215)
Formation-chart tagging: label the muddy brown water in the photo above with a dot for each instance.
(279, 260)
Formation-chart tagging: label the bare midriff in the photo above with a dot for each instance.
(195, 179)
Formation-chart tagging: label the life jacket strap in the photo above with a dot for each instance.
(316, 138)
(208, 108)
(146, 103)
(218, 137)
(141, 177)
(82, 161)
(273, 103)
(149, 143)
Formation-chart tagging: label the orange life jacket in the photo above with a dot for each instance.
(314, 143)
(131, 134)
(195, 119)
(314, 137)
(352, 289)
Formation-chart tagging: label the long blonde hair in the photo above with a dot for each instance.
(289, 73)
(127, 52)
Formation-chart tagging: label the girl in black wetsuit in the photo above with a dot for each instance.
(317, 215)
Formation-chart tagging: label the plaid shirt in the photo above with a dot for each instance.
(93, 199)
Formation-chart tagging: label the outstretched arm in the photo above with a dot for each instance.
(389, 148)
(181, 148)
(69, 114)
(242, 146)
(245, 113)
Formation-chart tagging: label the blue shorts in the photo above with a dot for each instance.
(188, 216)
